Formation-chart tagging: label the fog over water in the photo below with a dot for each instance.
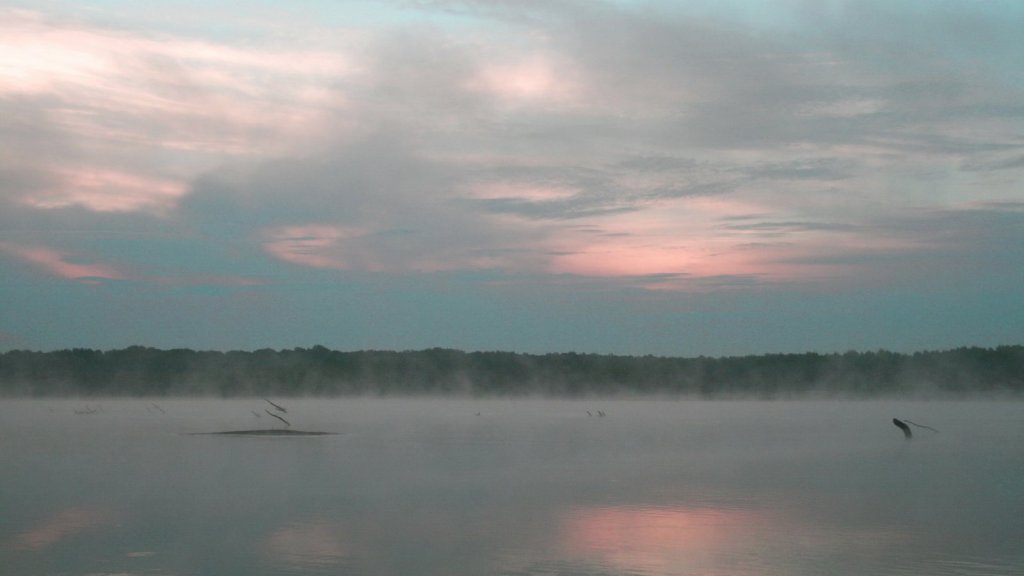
(511, 487)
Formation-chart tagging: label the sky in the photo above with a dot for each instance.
(627, 177)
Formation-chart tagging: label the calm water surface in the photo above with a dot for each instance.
(525, 487)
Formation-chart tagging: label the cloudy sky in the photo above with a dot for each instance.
(613, 176)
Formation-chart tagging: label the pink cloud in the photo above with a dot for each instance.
(345, 248)
(683, 266)
(517, 191)
(136, 103)
(63, 265)
(538, 79)
(41, 55)
(679, 244)
(109, 191)
(60, 264)
(621, 259)
(677, 237)
(688, 240)
(313, 246)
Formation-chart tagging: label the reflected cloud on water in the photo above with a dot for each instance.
(530, 488)
(61, 525)
(650, 540)
(308, 547)
(660, 540)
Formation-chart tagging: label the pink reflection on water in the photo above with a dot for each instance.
(62, 525)
(663, 540)
(307, 544)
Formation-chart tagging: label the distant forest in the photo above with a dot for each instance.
(141, 371)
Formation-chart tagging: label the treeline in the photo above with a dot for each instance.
(141, 371)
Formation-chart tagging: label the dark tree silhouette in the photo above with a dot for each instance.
(142, 371)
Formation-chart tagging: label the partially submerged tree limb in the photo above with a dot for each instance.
(920, 425)
(286, 423)
(903, 426)
(279, 408)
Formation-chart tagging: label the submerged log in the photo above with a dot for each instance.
(265, 432)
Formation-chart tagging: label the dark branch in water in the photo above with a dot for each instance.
(920, 425)
(903, 426)
(277, 407)
(286, 423)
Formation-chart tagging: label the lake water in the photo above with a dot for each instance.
(511, 487)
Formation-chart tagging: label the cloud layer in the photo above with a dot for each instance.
(655, 147)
